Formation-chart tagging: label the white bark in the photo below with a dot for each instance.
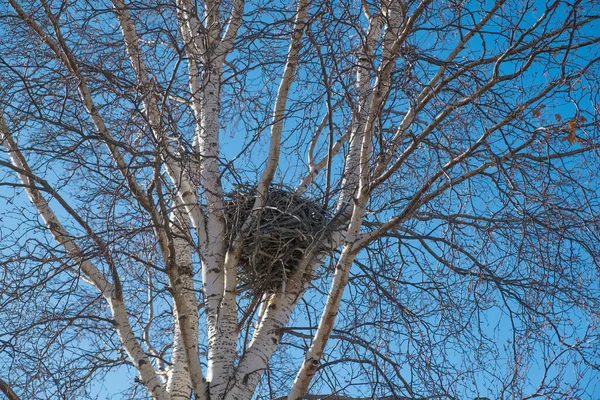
(356, 176)
(111, 292)
(134, 350)
(185, 312)
(185, 191)
(205, 56)
(219, 311)
(222, 353)
(221, 372)
(179, 384)
(233, 24)
(266, 339)
(72, 65)
(190, 29)
(340, 279)
(365, 56)
(275, 315)
(315, 352)
(220, 305)
(219, 270)
(281, 101)
(206, 108)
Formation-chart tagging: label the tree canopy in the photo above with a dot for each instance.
(251, 199)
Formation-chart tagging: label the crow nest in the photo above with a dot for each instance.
(277, 237)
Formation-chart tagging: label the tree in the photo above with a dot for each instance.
(249, 199)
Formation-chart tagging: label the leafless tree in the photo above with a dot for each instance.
(253, 199)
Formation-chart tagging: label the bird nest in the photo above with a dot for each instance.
(274, 237)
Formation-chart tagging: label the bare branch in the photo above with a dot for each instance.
(281, 101)
(8, 392)
(111, 292)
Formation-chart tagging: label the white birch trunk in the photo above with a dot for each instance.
(340, 279)
(220, 306)
(274, 317)
(350, 178)
(281, 102)
(206, 107)
(179, 384)
(185, 191)
(222, 339)
(93, 275)
(218, 269)
(355, 183)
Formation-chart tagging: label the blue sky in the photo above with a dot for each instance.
(307, 105)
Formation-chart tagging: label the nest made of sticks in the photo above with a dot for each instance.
(278, 235)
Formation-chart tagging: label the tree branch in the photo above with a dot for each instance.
(281, 101)
(7, 390)
(111, 293)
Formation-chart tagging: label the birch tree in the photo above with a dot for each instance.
(446, 150)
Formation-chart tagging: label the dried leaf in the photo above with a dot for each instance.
(572, 128)
(538, 111)
(557, 117)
